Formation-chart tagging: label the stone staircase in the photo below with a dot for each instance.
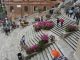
(72, 39)
(34, 37)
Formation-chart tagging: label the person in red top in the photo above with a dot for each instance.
(62, 21)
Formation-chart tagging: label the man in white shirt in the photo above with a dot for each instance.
(70, 12)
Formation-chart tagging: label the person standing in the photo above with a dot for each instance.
(75, 11)
(67, 11)
(51, 12)
(23, 39)
(20, 57)
(52, 38)
(58, 21)
(77, 15)
(70, 13)
(41, 18)
(62, 21)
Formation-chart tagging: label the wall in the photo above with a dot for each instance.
(30, 3)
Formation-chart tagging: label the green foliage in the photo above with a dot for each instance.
(66, 30)
(41, 43)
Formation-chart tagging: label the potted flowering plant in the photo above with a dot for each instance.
(38, 47)
(32, 49)
(69, 29)
(42, 44)
(44, 38)
(29, 50)
(37, 26)
(48, 25)
(43, 41)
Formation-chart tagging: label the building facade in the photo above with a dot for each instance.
(25, 7)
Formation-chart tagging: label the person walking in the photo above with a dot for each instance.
(7, 30)
(20, 57)
(62, 21)
(70, 13)
(67, 11)
(75, 11)
(41, 18)
(51, 12)
(58, 21)
(52, 38)
(23, 39)
(77, 15)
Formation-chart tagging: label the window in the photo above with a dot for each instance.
(52, 6)
(35, 7)
(44, 8)
(26, 8)
(53, 0)
(11, 8)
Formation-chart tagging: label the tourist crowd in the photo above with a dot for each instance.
(75, 12)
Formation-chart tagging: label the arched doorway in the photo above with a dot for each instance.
(44, 8)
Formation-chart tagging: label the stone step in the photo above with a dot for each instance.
(71, 45)
(46, 54)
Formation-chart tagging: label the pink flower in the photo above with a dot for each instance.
(34, 47)
(44, 38)
(43, 24)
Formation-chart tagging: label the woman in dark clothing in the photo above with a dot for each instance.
(67, 11)
(77, 15)
(7, 30)
(58, 21)
(52, 38)
(70, 13)
(51, 11)
(19, 56)
(41, 18)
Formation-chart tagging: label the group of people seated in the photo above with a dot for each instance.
(8, 26)
(23, 23)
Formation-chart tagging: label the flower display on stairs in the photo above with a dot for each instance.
(71, 28)
(44, 38)
(39, 46)
(32, 49)
(46, 25)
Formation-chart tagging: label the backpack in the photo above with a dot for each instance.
(70, 11)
